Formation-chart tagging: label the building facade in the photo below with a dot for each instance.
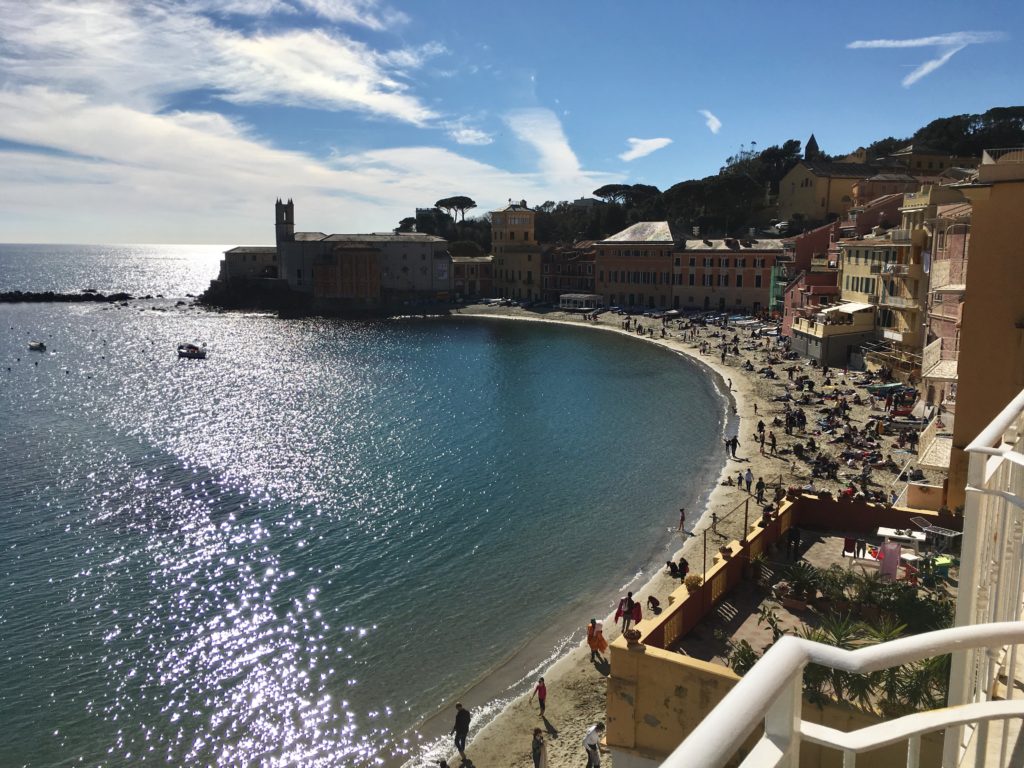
(990, 368)
(568, 270)
(819, 190)
(473, 276)
(249, 262)
(652, 266)
(411, 266)
(517, 262)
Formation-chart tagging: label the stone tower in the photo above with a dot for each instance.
(811, 151)
(285, 221)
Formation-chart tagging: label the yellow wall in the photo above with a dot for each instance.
(812, 196)
(991, 364)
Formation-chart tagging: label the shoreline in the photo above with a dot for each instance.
(509, 719)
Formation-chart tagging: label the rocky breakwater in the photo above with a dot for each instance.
(14, 297)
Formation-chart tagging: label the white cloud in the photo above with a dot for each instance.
(642, 148)
(461, 133)
(952, 39)
(712, 122)
(365, 12)
(143, 54)
(930, 66)
(113, 173)
(953, 43)
(541, 129)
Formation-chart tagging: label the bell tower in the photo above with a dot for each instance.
(284, 221)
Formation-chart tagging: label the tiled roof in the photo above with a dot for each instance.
(644, 232)
(253, 249)
(520, 206)
(840, 170)
(373, 237)
(734, 245)
(953, 210)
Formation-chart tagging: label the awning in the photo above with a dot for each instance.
(849, 307)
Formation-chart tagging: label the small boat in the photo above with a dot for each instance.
(191, 351)
(885, 389)
(37, 346)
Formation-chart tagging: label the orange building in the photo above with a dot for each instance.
(348, 274)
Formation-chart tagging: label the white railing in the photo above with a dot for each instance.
(991, 584)
(771, 693)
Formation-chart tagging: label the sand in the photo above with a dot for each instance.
(576, 686)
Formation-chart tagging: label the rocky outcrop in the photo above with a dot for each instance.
(14, 297)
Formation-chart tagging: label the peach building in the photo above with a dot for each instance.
(990, 369)
(517, 264)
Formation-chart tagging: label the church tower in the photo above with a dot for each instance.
(811, 151)
(285, 221)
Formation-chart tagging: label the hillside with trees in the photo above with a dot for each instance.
(730, 202)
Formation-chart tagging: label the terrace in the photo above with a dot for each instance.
(763, 718)
(671, 672)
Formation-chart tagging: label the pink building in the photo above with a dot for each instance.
(805, 293)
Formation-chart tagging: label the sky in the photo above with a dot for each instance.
(182, 121)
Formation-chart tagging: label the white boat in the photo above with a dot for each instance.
(191, 351)
(37, 346)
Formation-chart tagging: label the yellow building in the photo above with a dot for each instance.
(925, 161)
(816, 190)
(990, 369)
(516, 251)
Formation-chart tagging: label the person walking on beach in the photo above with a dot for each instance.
(625, 611)
(592, 745)
(760, 490)
(638, 613)
(682, 518)
(595, 639)
(538, 749)
(748, 478)
(760, 439)
(461, 728)
(541, 692)
(773, 443)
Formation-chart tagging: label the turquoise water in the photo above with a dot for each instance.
(290, 552)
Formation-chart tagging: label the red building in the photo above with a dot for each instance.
(568, 269)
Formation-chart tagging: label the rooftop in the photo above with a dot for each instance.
(645, 232)
(252, 249)
(840, 170)
(372, 237)
(520, 206)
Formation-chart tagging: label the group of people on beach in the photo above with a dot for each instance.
(800, 408)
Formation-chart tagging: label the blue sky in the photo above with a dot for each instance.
(165, 121)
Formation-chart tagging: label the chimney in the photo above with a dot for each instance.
(696, 231)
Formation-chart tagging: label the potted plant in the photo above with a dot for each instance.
(725, 551)
(693, 582)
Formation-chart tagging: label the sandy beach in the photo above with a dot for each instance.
(575, 685)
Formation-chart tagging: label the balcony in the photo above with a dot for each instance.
(939, 361)
(899, 302)
(948, 277)
(899, 235)
(936, 443)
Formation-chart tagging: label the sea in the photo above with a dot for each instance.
(301, 549)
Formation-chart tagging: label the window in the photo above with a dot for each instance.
(693, 261)
(678, 260)
(692, 280)
(739, 281)
(526, 235)
(511, 235)
(725, 280)
(757, 281)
